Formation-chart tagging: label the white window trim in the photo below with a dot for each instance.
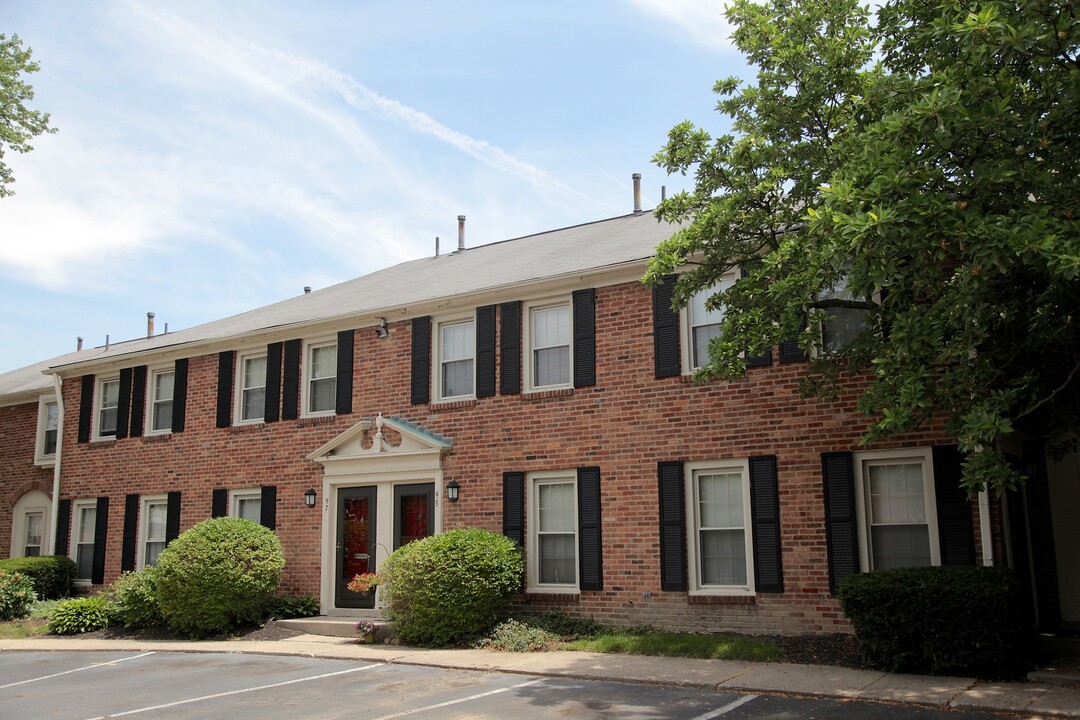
(687, 330)
(40, 457)
(305, 381)
(99, 396)
(923, 455)
(151, 380)
(144, 524)
(238, 385)
(235, 496)
(34, 501)
(73, 546)
(436, 354)
(690, 470)
(527, 331)
(532, 555)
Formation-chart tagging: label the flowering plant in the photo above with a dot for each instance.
(364, 582)
(365, 630)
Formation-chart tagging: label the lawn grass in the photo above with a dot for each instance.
(671, 644)
(15, 629)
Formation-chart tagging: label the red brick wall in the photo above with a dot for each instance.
(18, 473)
(625, 424)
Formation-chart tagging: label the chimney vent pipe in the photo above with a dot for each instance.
(436, 246)
(149, 324)
(78, 345)
(637, 193)
(460, 232)
(307, 289)
(663, 193)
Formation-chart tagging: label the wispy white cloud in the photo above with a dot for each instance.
(700, 21)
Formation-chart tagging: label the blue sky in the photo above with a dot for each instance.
(214, 157)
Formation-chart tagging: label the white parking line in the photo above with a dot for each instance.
(726, 708)
(237, 692)
(68, 672)
(448, 703)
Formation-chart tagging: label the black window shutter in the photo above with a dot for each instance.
(485, 351)
(841, 522)
(272, 408)
(138, 401)
(421, 361)
(791, 352)
(514, 506)
(101, 531)
(584, 337)
(86, 408)
(224, 388)
(666, 356)
(63, 526)
(290, 391)
(131, 532)
(955, 533)
(765, 515)
(179, 406)
(672, 527)
(219, 504)
(758, 360)
(172, 517)
(123, 406)
(345, 341)
(590, 537)
(268, 507)
(510, 348)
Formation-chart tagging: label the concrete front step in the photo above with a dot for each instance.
(337, 626)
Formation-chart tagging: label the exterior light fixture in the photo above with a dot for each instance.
(452, 490)
(309, 498)
(380, 329)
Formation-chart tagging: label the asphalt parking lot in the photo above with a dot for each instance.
(85, 685)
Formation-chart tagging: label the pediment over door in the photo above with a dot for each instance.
(383, 440)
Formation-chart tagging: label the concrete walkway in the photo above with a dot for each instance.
(1029, 699)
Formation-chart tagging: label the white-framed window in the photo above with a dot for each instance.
(246, 504)
(47, 431)
(153, 518)
(108, 404)
(251, 388)
(161, 390)
(34, 536)
(894, 491)
(553, 522)
(455, 358)
(320, 379)
(842, 325)
(30, 525)
(84, 513)
(702, 324)
(719, 541)
(550, 345)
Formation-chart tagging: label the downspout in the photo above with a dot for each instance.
(58, 384)
(984, 528)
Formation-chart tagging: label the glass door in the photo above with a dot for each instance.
(355, 544)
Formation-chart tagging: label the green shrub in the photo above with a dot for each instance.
(134, 598)
(218, 575)
(566, 626)
(81, 615)
(283, 607)
(943, 620)
(518, 636)
(447, 588)
(53, 575)
(17, 595)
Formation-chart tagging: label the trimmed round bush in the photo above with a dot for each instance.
(218, 575)
(53, 575)
(17, 595)
(81, 615)
(447, 588)
(134, 598)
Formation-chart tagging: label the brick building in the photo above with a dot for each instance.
(541, 383)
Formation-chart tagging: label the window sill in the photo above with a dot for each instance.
(544, 394)
(102, 442)
(722, 599)
(567, 598)
(157, 437)
(453, 404)
(316, 420)
(45, 462)
(248, 427)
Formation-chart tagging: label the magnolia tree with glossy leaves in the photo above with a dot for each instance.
(912, 170)
(18, 123)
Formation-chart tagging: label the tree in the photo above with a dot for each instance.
(927, 161)
(18, 123)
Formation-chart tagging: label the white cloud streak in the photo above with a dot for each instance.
(700, 21)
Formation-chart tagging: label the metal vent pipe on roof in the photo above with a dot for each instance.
(78, 345)
(460, 232)
(149, 324)
(307, 289)
(637, 193)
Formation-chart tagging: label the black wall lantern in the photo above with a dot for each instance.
(309, 497)
(452, 490)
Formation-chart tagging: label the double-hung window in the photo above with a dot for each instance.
(153, 520)
(247, 505)
(842, 325)
(718, 537)
(898, 527)
(553, 517)
(703, 324)
(34, 533)
(85, 523)
(550, 335)
(321, 383)
(48, 427)
(456, 359)
(251, 399)
(108, 406)
(162, 383)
